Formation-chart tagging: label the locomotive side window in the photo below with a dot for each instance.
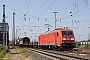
(57, 34)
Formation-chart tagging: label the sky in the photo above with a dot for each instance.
(34, 17)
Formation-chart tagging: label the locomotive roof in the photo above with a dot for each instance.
(58, 29)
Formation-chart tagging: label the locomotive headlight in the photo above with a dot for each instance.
(72, 38)
(64, 38)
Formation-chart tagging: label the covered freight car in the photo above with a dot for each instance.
(24, 41)
(59, 39)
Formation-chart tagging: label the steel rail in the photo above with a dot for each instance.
(60, 54)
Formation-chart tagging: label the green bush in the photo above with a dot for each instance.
(86, 45)
(0, 46)
(77, 45)
(2, 53)
(0, 50)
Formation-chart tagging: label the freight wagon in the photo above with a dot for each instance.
(24, 41)
(59, 39)
(33, 44)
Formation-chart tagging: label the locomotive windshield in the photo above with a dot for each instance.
(67, 33)
(64, 33)
(70, 33)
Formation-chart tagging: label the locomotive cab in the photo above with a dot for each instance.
(68, 40)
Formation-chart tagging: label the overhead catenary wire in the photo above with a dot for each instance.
(34, 16)
(40, 7)
(48, 18)
(67, 7)
(28, 7)
(45, 18)
(25, 13)
(74, 14)
(67, 16)
(78, 11)
(14, 9)
(44, 11)
(41, 17)
(27, 4)
(47, 7)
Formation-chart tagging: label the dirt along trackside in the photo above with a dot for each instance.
(18, 54)
(23, 54)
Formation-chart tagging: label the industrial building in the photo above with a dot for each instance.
(4, 38)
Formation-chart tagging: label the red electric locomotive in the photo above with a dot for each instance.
(59, 39)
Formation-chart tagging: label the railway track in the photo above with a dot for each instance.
(60, 55)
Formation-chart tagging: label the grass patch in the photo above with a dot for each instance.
(2, 53)
(0, 46)
(9, 56)
(86, 45)
(25, 53)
